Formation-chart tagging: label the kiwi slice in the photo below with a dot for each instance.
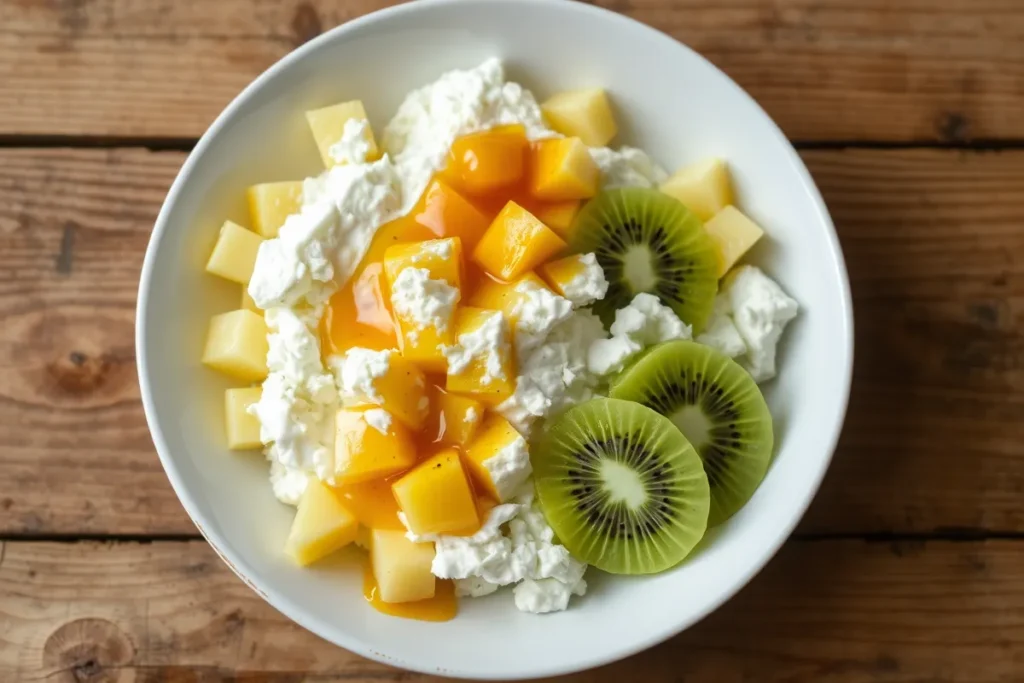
(621, 486)
(647, 241)
(719, 408)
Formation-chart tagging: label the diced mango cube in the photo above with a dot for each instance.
(734, 234)
(515, 243)
(585, 114)
(236, 344)
(558, 216)
(498, 458)
(328, 127)
(504, 296)
(441, 258)
(234, 254)
(247, 303)
(704, 187)
(481, 364)
(401, 389)
(321, 526)
(243, 429)
(446, 213)
(489, 160)
(436, 498)
(271, 203)
(369, 444)
(453, 419)
(562, 169)
(400, 567)
(373, 504)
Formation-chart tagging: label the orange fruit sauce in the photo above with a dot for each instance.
(484, 172)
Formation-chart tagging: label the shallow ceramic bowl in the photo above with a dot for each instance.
(669, 101)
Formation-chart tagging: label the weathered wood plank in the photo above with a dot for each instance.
(829, 612)
(934, 438)
(825, 69)
(75, 453)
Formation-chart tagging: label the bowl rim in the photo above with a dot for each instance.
(330, 632)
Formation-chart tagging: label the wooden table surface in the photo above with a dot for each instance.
(910, 565)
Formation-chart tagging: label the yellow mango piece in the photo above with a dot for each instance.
(373, 504)
(236, 344)
(516, 242)
(489, 160)
(271, 203)
(734, 234)
(321, 526)
(504, 296)
(328, 125)
(498, 458)
(441, 258)
(704, 187)
(562, 169)
(370, 444)
(400, 567)
(401, 390)
(558, 216)
(436, 498)
(243, 429)
(585, 114)
(234, 254)
(453, 419)
(247, 303)
(484, 371)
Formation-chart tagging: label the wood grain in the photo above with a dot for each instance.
(947, 70)
(829, 612)
(935, 249)
(75, 453)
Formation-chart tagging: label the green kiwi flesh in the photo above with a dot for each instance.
(717, 405)
(622, 488)
(647, 241)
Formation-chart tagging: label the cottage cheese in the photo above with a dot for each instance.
(318, 249)
(538, 311)
(354, 145)
(509, 468)
(525, 554)
(555, 375)
(627, 167)
(720, 332)
(427, 302)
(589, 285)
(644, 322)
(760, 311)
(356, 372)
(488, 344)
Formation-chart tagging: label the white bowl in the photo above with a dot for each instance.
(671, 102)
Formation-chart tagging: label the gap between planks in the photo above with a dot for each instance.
(185, 144)
(942, 535)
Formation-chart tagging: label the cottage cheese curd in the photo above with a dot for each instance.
(587, 286)
(509, 468)
(644, 322)
(427, 302)
(760, 312)
(627, 167)
(487, 343)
